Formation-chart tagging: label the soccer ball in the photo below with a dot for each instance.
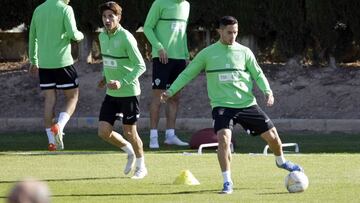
(296, 181)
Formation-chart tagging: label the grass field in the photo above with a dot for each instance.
(90, 170)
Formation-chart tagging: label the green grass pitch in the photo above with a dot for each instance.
(90, 170)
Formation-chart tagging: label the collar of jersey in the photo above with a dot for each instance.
(114, 33)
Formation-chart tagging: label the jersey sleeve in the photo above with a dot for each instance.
(135, 58)
(190, 72)
(256, 73)
(150, 24)
(33, 46)
(70, 26)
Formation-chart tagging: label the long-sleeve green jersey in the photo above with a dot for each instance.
(165, 28)
(52, 28)
(230, 72)
(122, 61)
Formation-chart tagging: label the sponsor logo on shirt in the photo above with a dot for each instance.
(224, 77)
(178, 26)
(109, 62)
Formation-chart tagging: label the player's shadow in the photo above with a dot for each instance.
(140, 194)
(216, 191)
(273, 193)
(68, 179)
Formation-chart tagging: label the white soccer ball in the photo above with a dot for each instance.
(296, 181)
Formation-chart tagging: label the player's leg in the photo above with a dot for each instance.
(71, 97)
(176, 66)
(131, 112)
(160, 74)
(222, 128)
(273, 140)
(48, 85)
(224, 158)
(49, 112)
(66, 80)
(105, 131)
(107, 119)
(256, 122)
(154, 118)
(130, 132)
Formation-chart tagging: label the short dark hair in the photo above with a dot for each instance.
(110, 5)
(227, 20)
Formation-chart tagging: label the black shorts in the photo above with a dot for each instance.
(59, 78)
(252, 119)
(165, 74)
(114, 108)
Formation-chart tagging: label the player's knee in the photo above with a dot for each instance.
(271, 135)
(104, 134)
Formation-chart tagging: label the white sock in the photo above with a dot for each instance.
(128, 149)
(153, 133)
(227, 176)
(140, 162)
(169, 133)
(63, 119)
(280, 160)
(50, 135)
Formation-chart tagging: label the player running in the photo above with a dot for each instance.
(52, 28)
(230, 70)
(123, 64)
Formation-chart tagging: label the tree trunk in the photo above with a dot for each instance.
(85, 48)
(332, 62)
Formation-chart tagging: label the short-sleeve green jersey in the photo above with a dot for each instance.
(165, 28)
(122, 61)
(52, 28)
(230, 71)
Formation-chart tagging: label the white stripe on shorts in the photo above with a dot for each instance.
(47, 85)
(65, 85)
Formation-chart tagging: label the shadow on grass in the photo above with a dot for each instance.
(69, 179)
(134, 194)
(213, 191)
(273, 193)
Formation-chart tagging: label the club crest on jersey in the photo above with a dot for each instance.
(157, 81)
(116, 43)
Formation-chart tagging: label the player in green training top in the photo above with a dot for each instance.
(230, 71)
(52, 28)
(165, 28)
(123, 64)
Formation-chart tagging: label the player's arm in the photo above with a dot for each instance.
(33, 48)
(259, 77)
(190, 72)
(135, 58)
(150, 24)
(187, 54)
(70, 26)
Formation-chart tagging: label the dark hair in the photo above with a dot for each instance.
(227, 20)
(110, 5)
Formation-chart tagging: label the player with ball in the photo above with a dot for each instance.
(230, 71)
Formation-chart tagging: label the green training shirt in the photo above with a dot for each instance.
(122, 61)
(52, 28)
(165, 28)
(230, 71)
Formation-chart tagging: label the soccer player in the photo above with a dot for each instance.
(52, 28)
(123, 64)
(165, 28)
(230, 70)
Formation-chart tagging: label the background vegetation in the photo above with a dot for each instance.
(305, 30)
